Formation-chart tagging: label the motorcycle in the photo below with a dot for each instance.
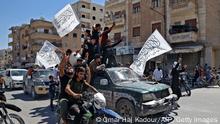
(214, 80)
(93, 106)
(184, 84)
(8, 118)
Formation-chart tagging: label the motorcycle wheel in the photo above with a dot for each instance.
(185, 88)
(218, 82)
(16, 119)
(188, 90)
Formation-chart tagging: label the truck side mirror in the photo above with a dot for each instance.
(103, 82)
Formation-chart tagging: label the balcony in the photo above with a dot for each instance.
(44, 36)
(85, 20)
(118, 21)
(85, 10)
(184, 37)
(113, 2)
(10, 43)
(183, 33)
(179, 4)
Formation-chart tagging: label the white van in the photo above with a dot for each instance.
(14, 78)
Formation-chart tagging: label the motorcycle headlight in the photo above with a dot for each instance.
(170, 91)
(148, 97)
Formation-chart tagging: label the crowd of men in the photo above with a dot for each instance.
(96, 54)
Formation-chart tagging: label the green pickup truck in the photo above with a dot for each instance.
(131, 95)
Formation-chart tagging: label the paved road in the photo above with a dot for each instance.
(203, 107)
(33, 111)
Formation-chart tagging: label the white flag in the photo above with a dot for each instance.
(37, 62)
(65, 20)
(153, 47)
(47, 56)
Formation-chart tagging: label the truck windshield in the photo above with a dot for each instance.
(43, 74)
(18, 73)
(122, 75)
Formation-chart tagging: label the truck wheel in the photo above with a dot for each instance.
(33, 93)
(125, 108)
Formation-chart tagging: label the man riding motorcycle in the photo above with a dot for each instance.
(75, 87)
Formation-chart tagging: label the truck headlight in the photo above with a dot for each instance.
(147, 97)
(170, 91)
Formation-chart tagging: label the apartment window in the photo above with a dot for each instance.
(156, 26)
(155, 3)
(101, 10)
(118, 14)
(117, 36)
(46, 31)
(83, 16)
(136, 7)
(93, 8)
(83, 6)
(74, 35)
(100, 20)
(82, 36)
(191, 22)
(136, 31)
(93, 18)
(83, 26)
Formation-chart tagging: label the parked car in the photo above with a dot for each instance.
(38, 83)
(131, 95)
(14, 78)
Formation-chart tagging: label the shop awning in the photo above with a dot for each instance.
(186, 49)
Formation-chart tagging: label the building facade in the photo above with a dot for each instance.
(29, 38)
(194, 27)
(6, 58)
(89, 14)
(190, 26)
(117, 11)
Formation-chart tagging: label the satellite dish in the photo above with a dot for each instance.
(73, 58)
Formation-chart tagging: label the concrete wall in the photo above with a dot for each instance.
(212, 31)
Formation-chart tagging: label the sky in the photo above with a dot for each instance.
(18, 12)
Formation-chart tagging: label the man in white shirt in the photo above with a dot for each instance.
(158, 74)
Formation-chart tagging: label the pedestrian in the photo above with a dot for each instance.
(196, 75)
(95, 66)
(95, 37)
(2, 86)
(108, 54)
(103, 39)
(175, 83)
(85, 47)
(2, 83)
(158, 74)
(52, 90)
(66, 73)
